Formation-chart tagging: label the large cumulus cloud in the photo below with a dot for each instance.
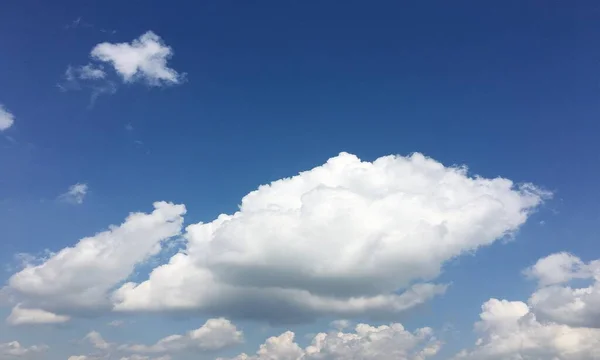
(344, 238)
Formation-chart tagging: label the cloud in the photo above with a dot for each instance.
(340, 324)
(144, 357)
(78, 23)
(347, 238)
(366, 343)
(90, 77)
(96, 340)
(91, 71)
(215, 334)
(85, 72)
(116, 323)
(511, 331)
(143, 59)
(107, 87)
(560, 302)
(25, 316)
(7, 119)
(91, 357)
(15, 349)
(77, 77)
(75, 194)
(557, 269)
(80, 277)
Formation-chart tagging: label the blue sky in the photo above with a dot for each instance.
(108, 107)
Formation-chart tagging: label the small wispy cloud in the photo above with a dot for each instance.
(80, 23)
(107, 88)
(75, 194)
(77, 23)
(7, 119)
(94, 338)
(91, 71)
(340, 324)
(108, 31)
(90, 77)
(116, 323)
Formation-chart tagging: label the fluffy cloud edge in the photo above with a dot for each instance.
(557, 322)
(145, 59)
(7, 119)
(27, 316)
(365, 342)
(15, 349)
(75, 194)
(215, 334)
(80, 277)
(363, 217)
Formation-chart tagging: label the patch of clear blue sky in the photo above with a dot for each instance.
(509, 88)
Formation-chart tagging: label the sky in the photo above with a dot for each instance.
(299, 180)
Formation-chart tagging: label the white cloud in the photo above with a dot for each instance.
(365, 343)
(563, 303)
(340, 324)
(97, 340)
(144, 357)
(280, 347)
(75, 194)
(85, 72)
(557, 269)
(80, 277)
(7, 119)
(91, 357)
(144, 59)
(15, 349)
(510, 331)
(91, 72)
(116, 323)
(345, 238)
(215, 334)
(25, 316)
